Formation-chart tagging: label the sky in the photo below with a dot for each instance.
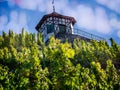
(99, 17)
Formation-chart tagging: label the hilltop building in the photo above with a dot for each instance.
(61, 27)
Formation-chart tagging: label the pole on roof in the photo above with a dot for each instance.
(53, 6)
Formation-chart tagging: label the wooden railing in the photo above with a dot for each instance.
(87, 35)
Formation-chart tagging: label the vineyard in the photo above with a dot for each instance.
(26, 63)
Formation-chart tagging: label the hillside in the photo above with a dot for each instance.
(27, 63)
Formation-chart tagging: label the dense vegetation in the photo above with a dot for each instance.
(26, 63)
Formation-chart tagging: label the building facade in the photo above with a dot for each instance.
(61, 27)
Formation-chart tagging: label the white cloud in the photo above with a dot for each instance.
(3, 19)
(115, 23)
(102, 21)
(16, 23)
(112, 4)
(118, 33)
(61, 5)
(41, 5)
(31, 4)
(89, 18)
(3, 22)
(22, 19)
(28, 4)
(86, 17)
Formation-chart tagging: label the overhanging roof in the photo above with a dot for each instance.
(54, 14)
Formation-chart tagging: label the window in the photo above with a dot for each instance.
(50, 28)
(62, 28)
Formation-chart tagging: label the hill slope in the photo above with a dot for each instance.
(26, 63)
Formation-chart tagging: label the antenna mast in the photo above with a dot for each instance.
(53, 6)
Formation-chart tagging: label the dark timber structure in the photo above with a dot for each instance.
(62, 28)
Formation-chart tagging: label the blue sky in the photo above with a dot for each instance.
(100, 17)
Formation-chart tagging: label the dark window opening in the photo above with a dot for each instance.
(50, 28)
(62, 28)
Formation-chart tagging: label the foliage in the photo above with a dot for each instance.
(27, 63)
